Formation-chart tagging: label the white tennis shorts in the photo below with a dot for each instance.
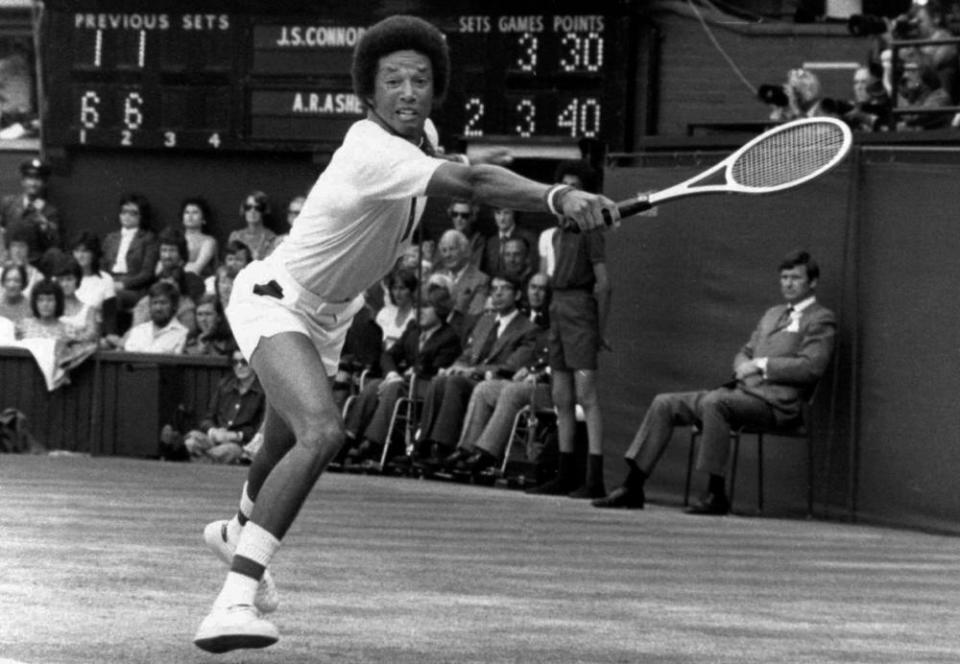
(254, 317)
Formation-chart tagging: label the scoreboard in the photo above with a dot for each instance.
(258, 75)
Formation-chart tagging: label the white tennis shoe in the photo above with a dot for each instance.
(217, 540)
(232, 627)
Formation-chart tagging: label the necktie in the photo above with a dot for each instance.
(784, 319)
(489, 341)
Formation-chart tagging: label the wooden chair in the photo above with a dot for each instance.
(802, 430)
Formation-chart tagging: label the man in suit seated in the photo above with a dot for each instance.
(468, 285)
(423, 349)
(507, 229)
(774, 373)
(494, 403)
(502, 341)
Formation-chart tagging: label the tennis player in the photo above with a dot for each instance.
(290, 312)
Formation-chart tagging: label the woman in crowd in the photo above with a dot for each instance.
(14, 306)
(46, 305)
(255, 210)
(395, 315)
(213, 332)
(81, 319)
(201, 247)
(95, 286)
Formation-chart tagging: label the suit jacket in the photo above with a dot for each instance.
(513, 349)
(142, 258)
(798, 355)
(439, 351)
(492, 264)
(24, 223)
(472, 287)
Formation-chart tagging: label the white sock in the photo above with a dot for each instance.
(237, 589)
(234, 527)
(257, 544)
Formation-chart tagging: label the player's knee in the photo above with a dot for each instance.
(326, 436)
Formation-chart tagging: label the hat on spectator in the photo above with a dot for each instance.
(34, 168)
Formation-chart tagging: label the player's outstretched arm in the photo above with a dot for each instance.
(499, 187)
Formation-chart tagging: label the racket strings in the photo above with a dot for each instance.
(789, 156)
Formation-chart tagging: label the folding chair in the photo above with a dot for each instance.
(802, 430)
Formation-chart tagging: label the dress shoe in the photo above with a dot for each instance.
(477, 462)
(458, 456)
(712, 504)
(622, 497)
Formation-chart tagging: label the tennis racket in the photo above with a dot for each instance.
(783, 157)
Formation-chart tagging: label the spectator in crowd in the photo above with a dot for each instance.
(230, 423)
(494, 403)
(163, 333)
(29, 215)
(201, 248)
(394, 317)
(46, 305)
(235, 258)
(96, 286)
(422, 350)
(14, 306)
(469, 286)
(213, 335)
(18, 251)
(463, 217)
(81, 318)
(773, 373)
(255, 212)
(920, 88)
(579, 306)
(929, 22)
(130, 254)
(870, 110)
(173, 258)
(516, 260)
(362, 348)
(501, 342)
(507, 228)
(294, 207)
(804, 97)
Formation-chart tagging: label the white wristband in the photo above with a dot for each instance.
(552, 193)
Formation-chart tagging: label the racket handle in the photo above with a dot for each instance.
(629, 208)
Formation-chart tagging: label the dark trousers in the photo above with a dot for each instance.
(444, 408)
(714, 411)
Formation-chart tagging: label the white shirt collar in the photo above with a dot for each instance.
(803, 304)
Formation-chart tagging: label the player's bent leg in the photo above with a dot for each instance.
(294, 380)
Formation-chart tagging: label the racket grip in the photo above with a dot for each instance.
(629, 208)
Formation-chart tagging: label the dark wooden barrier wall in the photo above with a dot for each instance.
(116, 402)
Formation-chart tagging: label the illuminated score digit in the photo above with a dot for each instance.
(475, 110)
(527, 111)
(582, 52)
(581, 117)
(529, 43)
(89, 110)
(132, 115)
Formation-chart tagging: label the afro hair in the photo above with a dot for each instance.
(400, 33)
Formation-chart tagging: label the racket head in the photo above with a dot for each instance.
(788, 155)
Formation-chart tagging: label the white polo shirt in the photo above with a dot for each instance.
(357, 218)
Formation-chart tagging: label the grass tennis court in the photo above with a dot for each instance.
(101, 562)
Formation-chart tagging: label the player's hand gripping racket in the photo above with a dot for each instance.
(783, 157)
